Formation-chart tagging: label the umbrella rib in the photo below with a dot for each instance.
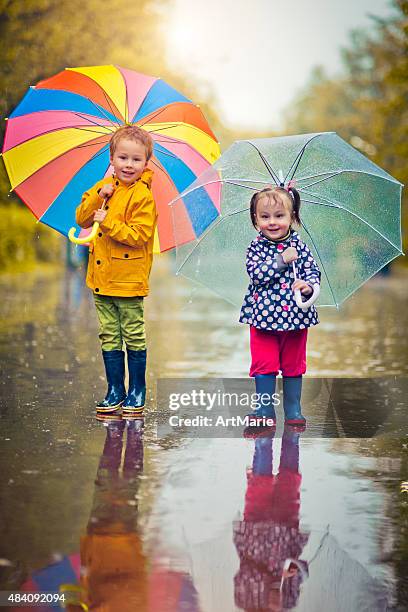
(84, 129)
(187, 191)
(48, 207)
(90, 120)
(195, 280)
(167, 127)
(334, 205)
(161, 110)
(228, 181)
(345, 171)
(319, 181)
(90, 144)
(201, 238)
(160, 167)
(265, 161)
(100, 109)
(169, 154)
(110, 104)
(299, 157)
(322, 264)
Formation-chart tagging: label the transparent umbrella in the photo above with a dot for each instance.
(351, 213)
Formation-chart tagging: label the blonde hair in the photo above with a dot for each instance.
(132, 132)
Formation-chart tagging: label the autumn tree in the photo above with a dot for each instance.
(367, 104)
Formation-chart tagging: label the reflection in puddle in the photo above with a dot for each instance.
(268, 539)
(163, 518)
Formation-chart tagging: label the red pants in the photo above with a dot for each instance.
(274, 351)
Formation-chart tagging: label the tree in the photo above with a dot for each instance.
(367, 105)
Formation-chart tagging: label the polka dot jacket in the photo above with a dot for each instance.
(269, 303)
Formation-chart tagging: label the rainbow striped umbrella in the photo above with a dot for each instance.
(56, 145)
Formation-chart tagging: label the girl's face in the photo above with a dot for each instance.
(272, 219)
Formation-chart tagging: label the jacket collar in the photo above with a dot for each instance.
(146, 178)
(285, 240)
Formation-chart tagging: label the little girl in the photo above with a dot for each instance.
(278, 327)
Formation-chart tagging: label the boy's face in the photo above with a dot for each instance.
(129, 160)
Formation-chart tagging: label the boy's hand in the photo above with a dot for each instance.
(290, 254)
(99, 215)
(106, 191)
(304, 288)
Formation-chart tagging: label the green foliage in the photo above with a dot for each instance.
(23, 242)
(367, 105)
(41, 37)
(38, 38)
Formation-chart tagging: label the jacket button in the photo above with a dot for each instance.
(96, 290)
(100, 234)
(285, 307)
(280, 247)
(126, 255)
(98, 261)
(116, 183)
(106, 207)
(284, 286)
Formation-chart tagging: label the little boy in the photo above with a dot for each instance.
(119, 265)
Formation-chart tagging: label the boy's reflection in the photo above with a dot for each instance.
(112, 559)
(268, 540)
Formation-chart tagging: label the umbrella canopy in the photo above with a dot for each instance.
(57, 144)
(351, 213)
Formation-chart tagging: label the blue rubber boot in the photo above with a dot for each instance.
(262, 464)
(289, 459)
(292, 391)
(265, 388)
(115, 375)
(135, 399)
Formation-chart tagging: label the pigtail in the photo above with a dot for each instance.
(252, 208)
(296, 204)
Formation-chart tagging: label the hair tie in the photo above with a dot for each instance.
(290, 185)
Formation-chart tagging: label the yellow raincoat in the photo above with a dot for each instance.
(120, 258)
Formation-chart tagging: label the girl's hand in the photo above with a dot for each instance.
(303, 287)
(99, 215)
(290, 254)
(106, 191)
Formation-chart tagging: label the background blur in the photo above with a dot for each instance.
(263, 68)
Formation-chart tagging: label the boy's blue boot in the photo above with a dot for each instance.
(292, 391)
(115, 375)
(265, 388)
(135, 399)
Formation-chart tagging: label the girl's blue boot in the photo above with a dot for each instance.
(135, 399)
(115, 375)
(292, 391)
(265, 388)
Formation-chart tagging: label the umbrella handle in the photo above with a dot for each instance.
(90, 238)
(305, 305)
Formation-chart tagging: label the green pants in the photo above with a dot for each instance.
(120, 319)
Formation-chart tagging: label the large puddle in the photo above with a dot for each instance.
(132, 521)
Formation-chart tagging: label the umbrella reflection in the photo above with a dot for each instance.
(268, 540)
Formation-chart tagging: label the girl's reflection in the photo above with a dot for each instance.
(268, 540)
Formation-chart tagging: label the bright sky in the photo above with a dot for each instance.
(255, 54)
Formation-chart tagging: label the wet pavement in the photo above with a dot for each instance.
(291, 521)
